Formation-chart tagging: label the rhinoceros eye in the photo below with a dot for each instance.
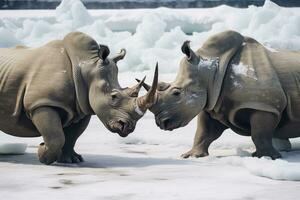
(115, 97)
(176, 92)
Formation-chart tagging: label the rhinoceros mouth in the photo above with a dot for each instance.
(121, 127)
(168, 124)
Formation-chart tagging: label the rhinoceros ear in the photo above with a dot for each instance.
(119, 56)
(186, 49)
(103, 52)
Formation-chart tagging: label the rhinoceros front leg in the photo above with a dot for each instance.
(72, 133)
(263, 125)
(208, 130)
(48, 123)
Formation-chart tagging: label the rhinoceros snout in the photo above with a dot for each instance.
(123, 128)
(166, 124)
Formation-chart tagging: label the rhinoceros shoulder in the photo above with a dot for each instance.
(222, 46)
(221, 43)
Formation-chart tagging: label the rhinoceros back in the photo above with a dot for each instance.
(30, 78)
(12, 88)
(252, 82)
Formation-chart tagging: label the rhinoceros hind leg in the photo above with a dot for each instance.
(270, 153)
(263, 125)
(282, 144)
(72, 133)
(48, 123)
(208, 130)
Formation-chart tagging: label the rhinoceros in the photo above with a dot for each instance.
(52, 91)
(233, 82)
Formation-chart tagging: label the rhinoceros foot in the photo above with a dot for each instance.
(70, 157)
(274, 154)
(195, 152)
(48, 155)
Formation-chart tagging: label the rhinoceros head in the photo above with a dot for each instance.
(180, 101)
(118, 108)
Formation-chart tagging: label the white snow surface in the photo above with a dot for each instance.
(13, 148)
(147, 164)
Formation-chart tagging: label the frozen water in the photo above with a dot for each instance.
(13, 148)
(152, 35)
(74, 13)
(7, 39)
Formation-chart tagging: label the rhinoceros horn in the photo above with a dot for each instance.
(161, 86)
(119, 56)
(134, 91)
(146, 101)
(145, 85)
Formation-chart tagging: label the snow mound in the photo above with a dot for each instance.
(274, 169)
(265, 167)
(152, 35)
(7, 39)
(73, 12)
(13, 148)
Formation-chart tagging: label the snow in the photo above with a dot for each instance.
(244, 70)
(270, 48)
(152, 35)
(7, 39)
(147, 164)
(209, 63)
(13, 148)
(73, 11)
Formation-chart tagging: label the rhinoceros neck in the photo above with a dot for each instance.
(81, 90)
(202, 75)
(207, 68)
(81, 49)
(222, 46)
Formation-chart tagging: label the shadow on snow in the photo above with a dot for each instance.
(97, 161)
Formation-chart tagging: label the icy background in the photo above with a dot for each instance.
(151, 35)
(146, 164)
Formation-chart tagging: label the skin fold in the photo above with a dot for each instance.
(53, 90)
(233, 82)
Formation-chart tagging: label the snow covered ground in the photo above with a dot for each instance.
(147, 164)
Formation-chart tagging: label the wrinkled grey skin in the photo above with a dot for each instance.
(112, 104)
(50, 87)
(186, 97)
(115, 106)
(180, 101)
